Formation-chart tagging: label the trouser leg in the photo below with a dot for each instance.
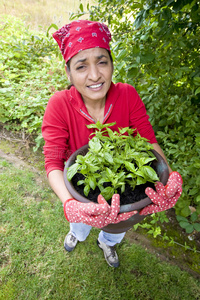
(110, 239)
(80, 230)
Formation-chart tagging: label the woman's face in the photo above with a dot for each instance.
(91, 73)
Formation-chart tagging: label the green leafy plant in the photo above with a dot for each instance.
(30, 72)
(190, 224)
(152, 225)
(113, 160)
(155, 47)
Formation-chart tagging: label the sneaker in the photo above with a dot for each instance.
(70, 242)
(110, 254)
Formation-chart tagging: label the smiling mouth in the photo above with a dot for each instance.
(95, 86)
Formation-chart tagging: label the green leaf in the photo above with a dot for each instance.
(163, 122)
(118, 160)
(183, 203)
(185, 211)
(103, 180)
(132, 72)
(198, 209)
(184, 224)
(196, 226)
(146, 160)
(80, 182)
(140, 173)
(139, 19)
(130, 166)
(107, 193)
(197, 80)
(190, 228)
(122, 188)
(51, 26)
(194, 216)
(111, 133)
(198, 180)
(100, 126)
(121, 54)
(92, 182)
(86, 190)
(93, 169)
(109, 172)
(169, 2)
(197, 91)
(180, 218)
(140, 180)
(108, 157)
(125, 130)
(147, 58)
(81, 7)
(157, 231)
(80, 159)
(149, 173)
(72, 170)
(194, 191)
(95, 145)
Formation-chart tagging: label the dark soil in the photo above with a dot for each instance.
(129, 196)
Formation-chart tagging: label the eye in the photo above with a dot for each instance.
(103, 62)
(79, 68)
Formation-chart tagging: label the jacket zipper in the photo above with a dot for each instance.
(91, 119)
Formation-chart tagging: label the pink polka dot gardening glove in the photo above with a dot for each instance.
(165, 197)
(96, 215)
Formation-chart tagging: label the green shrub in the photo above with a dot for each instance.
(156, 49)
(30, 73)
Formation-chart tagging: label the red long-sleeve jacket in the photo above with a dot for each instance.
(65, 119)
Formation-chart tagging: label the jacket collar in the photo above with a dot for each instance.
(77, 102)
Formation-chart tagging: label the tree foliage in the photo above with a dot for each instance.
(156, 49)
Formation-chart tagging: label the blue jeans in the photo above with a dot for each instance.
(81, 231)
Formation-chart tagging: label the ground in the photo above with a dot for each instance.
(17, 149)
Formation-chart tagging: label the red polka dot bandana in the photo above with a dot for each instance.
(80, 35)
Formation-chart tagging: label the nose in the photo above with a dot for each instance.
(94, 73)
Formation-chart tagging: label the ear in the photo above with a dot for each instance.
(68, 73)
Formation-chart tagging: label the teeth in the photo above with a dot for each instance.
(95, 86)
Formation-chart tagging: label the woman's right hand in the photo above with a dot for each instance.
(96, 215)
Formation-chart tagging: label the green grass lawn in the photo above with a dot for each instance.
(34, 264)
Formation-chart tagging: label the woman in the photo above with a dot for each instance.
(93, 97)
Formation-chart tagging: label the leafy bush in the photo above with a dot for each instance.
(156, 49)
(189, 224)
(30, 73)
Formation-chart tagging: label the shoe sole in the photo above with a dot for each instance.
(114, 265)
(68, 249)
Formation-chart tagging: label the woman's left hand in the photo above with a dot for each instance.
(96, 215)
(165, 197)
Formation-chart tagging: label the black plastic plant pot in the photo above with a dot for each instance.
(162, 171)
